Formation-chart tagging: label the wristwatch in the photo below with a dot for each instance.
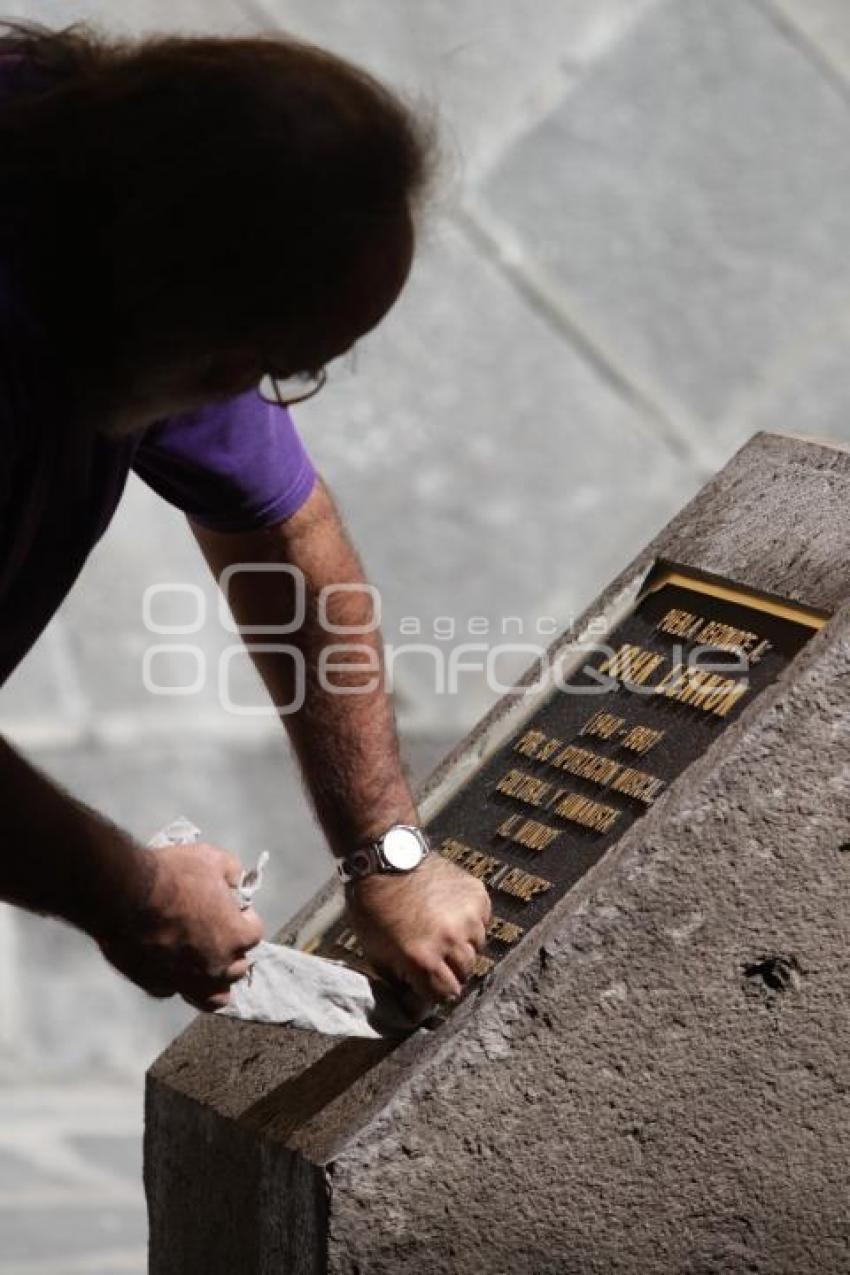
(401, 849)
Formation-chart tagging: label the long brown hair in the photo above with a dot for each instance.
(228, 187)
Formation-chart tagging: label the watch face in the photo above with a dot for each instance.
(402, 848)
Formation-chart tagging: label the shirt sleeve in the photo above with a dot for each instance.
(236, 465)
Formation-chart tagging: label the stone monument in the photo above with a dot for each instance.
(649, 1071)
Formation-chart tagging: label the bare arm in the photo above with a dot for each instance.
(429, 925)
(62, 858)
(166, 920)
(344, 736)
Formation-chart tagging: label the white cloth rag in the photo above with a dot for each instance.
(285, 985)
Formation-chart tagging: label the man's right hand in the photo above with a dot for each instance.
(426, 926)
(190, 937)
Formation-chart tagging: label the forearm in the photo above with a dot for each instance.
(343, 731)
(60, 857)
(347, 746)
(425, 926)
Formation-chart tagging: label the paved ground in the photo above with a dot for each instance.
(637, 256)
(70, 1171)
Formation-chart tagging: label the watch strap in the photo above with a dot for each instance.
(360, 863)
(370, 858)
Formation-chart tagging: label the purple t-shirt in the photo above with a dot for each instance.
(231, 466)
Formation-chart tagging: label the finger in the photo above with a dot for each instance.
(232, 868)
(207, 1004)
(478, 936)
(203, 982)
(204, 990)
(442, 983)
(416, 976)
(249, 931)
(461, 960)
(218, 1000)
(236, 970)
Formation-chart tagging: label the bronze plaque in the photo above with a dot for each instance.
(606, 745)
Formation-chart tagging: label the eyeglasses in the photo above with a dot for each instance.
(286, 390)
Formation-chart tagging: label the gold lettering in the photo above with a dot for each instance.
(475, 862)
(586, 764)
(724, 706)
(508, 826)
(525, 787)
(584, 811)
(504, 931)
(694, 686)
(482, 966)
(707, 691)
(603, 725)
(453, 850)
(551, 746)
(522, 885)
(640, 739)
(724, 637)
(679, 624)
(632, 664)
(498, 875)
(671, 682)
(529, 743)
(759, 651)
(699, 692)
(536, 745)
(714, 633)
(638, 784)
(482, 866)
(531, 834)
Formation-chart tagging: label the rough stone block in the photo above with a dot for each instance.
(653, 1078)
